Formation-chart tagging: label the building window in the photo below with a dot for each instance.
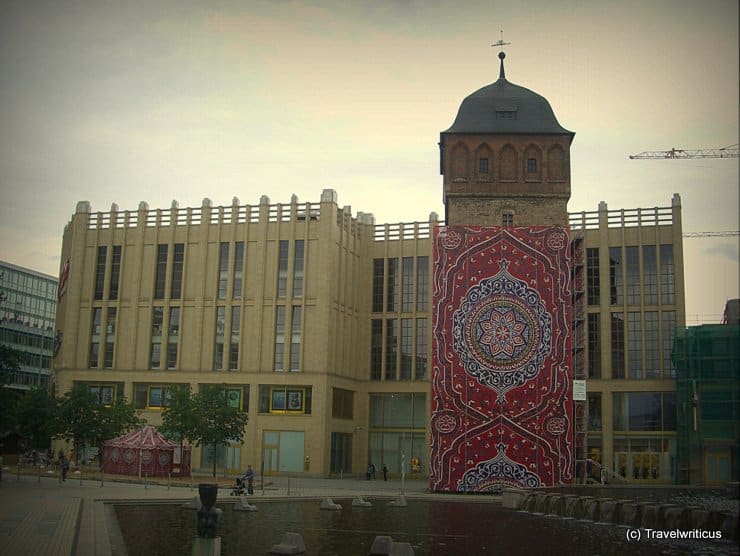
(298, 268)
(340, 456)
(644, 411)
(421, 349)
(593, 284)
(378, 280)
(652, 345)
(407, 284)
(295, 338)
(100, 272)
(235, 333)
(531, 166)
(218, 350)
(105, 394)
(223, 269)
(594, 345)
(342, 403)
(115, 272)
(391, 348)
(406, 348)
(649, 275)
(161, 272)
(616, 281)
(238, 269)
(392, 291)
(110, 338)
(667, 278)
(617, 326)
(507, 219)
(634, 343)
(285, 399)
(397, 423)
(594, 412)
(669, 329)
(282, 286)
(422, 283)
(173, 330)
(158, 397)
(237, 396)
(97, 316)
(279, 337)
(632, 266)
(156, 351)
(376, 350)
(178, 263)
(483, 166)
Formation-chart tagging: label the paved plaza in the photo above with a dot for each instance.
(41, 516)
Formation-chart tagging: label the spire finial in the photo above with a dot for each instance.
(501, 55)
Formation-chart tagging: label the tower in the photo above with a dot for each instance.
(505, 160)
(501, 408)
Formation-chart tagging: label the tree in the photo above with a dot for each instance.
(218, 423)
(36, 414)
(179, 417)
(10, 362)
(82, 418)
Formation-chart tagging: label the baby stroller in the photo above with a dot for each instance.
(239, 488)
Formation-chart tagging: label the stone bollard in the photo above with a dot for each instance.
(242, 505)
(700, 519)
(571, 505)
(608, 511)
(399, 502)
(328, 504)
(360, 502)
(291, 543)
(728, 526)
(650, 516)
(557, 505)
(512, 499)
(676, 517)
(631, 514)
(383, 545)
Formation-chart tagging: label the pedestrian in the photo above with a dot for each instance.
(64, 465)
(371, 472)
(385, 472)
(249, 476)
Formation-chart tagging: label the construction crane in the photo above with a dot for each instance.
(724, 152)
(726, 233)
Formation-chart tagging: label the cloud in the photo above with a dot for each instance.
(729, 250)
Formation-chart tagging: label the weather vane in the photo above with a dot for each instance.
(501, 42)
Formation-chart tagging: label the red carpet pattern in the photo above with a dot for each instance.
(501, 359)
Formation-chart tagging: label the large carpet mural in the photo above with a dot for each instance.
(501, 359)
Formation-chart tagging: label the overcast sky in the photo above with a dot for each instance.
(124, 101)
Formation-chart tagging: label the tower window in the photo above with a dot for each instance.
(483, 165)
(507, 219)
(531, 165)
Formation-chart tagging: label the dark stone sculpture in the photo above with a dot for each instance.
(208, 514)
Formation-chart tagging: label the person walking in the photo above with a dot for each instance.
(249, 476)
(385, 472)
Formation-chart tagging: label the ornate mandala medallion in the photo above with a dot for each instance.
(502, 331)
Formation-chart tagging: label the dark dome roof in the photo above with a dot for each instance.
(503, 107)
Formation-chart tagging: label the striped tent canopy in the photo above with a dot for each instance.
(145, 452)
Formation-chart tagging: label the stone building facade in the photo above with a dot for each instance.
(318, 322)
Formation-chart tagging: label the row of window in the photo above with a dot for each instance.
(409, 280)
(230, 270)
(21, 339)
(640, 347)
(636, 411)
(399, 349)
(28, 306)
(637, 275)
(507, 163)
(27, 284)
